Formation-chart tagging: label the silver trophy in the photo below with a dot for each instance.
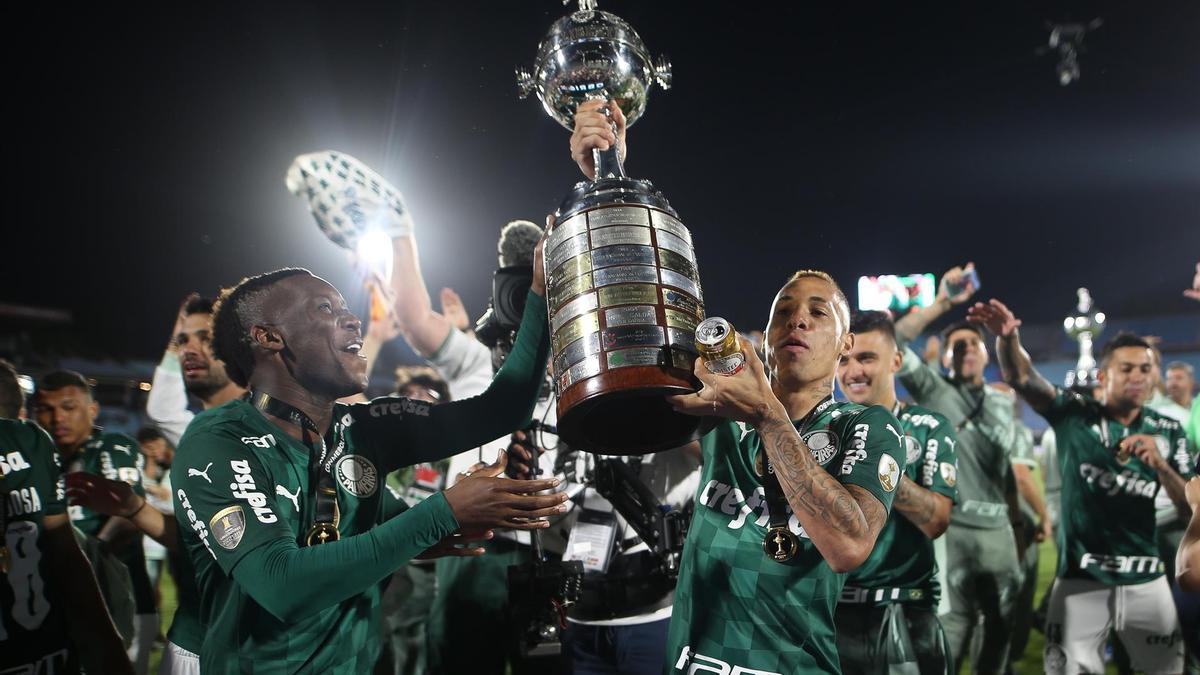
(587, 55)
(622, 285)
(1084, 327)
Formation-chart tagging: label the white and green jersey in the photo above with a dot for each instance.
(735, 608)
(903, 556)
(1107, 528)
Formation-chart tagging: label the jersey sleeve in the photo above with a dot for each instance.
(43, 451)
(918, 377)
(874, 457)
(1182, 454)
(404, 431)
(225, 496)
(944, 478)
(123, 456)
(1065, 404)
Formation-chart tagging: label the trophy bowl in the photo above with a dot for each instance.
(622, 285)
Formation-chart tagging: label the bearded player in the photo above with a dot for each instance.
(278, 495)
(1115, 455)
(887, 613)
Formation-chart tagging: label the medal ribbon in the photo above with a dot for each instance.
(326, 514)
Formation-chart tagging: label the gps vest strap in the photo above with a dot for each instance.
(326, 514)
(781, 544)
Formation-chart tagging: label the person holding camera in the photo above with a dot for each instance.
(983, 571)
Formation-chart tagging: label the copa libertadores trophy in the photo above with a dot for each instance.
(1084, 326)
(622, 286)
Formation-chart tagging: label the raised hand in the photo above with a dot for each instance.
(994, 316)
(539, 273)
(1194, 291)
(954, 279)
(180, 318)
(594, 130)
(454, 310)
(110, 497)
(482, 500)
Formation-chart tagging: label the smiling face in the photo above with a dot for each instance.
(807, 333)
(322, 339)
(203, 373)
(966, 356)
(866, 375)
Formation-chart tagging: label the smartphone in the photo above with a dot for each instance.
(971, 276)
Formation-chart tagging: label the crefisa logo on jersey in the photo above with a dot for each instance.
(245, 489)
(822, 445)
(357, 475)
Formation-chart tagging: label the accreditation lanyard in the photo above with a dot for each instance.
(326, 515)
(780, 543)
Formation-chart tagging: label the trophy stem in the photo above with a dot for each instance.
(607, 162)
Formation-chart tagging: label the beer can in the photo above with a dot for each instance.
(717, 342)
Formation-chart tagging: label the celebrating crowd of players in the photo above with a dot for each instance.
(834, 528)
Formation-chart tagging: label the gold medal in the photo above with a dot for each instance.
(758, 464)
(1123, 454)
(781, 544)
(322, 533)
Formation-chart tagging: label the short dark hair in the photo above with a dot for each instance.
(235, 311)
(198, 305)
(873, 320)
(422, 376)
(149, 433)
(61, 379)
(11, 395)
(1119, 341)
(957, 326)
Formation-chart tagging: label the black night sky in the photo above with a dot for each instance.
(147, 147)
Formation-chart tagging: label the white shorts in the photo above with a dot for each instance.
(1082, 612)
(178, 661)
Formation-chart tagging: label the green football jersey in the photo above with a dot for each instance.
(903, 555)
(115, 457)
(983, 421)
(240, 483)
(32, 620)
(1107, 526)
(735, 607)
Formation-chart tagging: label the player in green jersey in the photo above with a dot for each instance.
(794, 489)
(262, 482)
(887, 613)
(1115, 455)
(65, 407)
(52, 616)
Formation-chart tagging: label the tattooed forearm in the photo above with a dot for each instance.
(810, 489)
(915, 503)
(1018, 371)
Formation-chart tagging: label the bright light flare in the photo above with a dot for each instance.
(374, 251)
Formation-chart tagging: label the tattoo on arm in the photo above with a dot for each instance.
(916, 503)
(809, 488)
(1020, 374)
(1176, 488)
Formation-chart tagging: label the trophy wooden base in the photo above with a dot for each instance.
(624, 412)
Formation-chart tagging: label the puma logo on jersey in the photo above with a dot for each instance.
(745, 431)
(692, 663)
(12, 462)
(295, 498)
(197, 472)
(122, 448)
(244, 488)
(897, 434)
